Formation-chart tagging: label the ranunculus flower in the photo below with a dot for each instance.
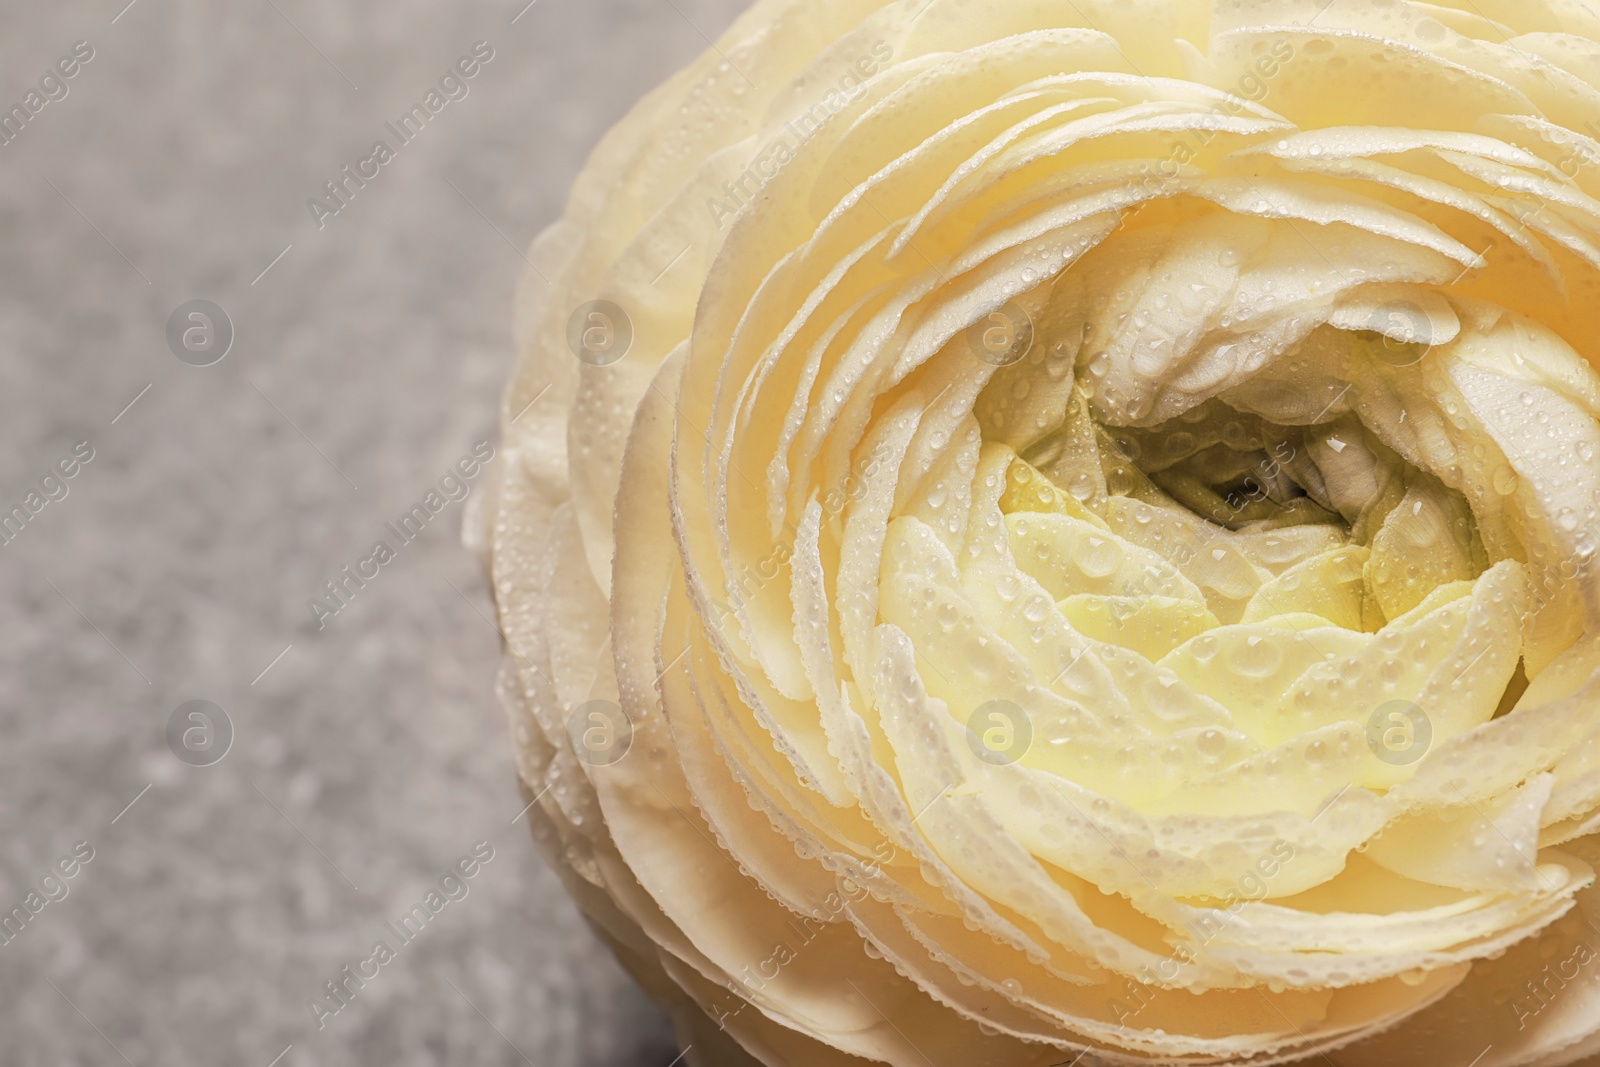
(1062, 531)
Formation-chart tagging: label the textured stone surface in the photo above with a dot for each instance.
(366, 362)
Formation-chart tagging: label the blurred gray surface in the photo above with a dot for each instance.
(367, 360)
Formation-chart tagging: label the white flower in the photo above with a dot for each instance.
(1032, 527)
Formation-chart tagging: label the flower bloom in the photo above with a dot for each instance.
(1051, 531)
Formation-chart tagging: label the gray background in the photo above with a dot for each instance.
(372, 754)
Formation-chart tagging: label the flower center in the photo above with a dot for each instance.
(1231, 468)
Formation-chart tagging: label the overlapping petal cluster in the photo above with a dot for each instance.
(1051, 531)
